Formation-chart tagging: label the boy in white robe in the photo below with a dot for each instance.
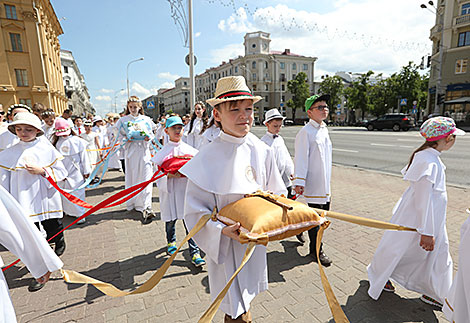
(24, 168)
(172, 187)
(457, 303)
(313, 163)
(22, 238)
(234, 164)
(273, 121)
(419, 261)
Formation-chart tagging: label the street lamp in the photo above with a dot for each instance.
(280, 82)
(127, 73)
(115, 95)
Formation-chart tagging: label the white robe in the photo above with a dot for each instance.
(221, 173)
(48, 131)
(457, 304)
(35, 194)
(111, 133)
(210, 134)
(172, 190)
(313, 161)
(139, 167)
(21, 237)
(8, 139)
(194, 138)
(399, 256)
(281, 154)
(93, 155)
(73, 148)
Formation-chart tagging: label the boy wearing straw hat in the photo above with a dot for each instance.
(312, 163)
(240, 163)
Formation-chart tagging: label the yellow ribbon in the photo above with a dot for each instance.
(260, 239)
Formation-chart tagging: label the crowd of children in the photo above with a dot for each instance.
(68, 148)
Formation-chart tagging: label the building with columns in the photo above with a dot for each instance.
(75, 88)
(266, 72)
(450, 58)
(30, 67)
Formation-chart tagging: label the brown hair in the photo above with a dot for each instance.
(426, 145)
(193, 116)
(230, 104)
(134, 98)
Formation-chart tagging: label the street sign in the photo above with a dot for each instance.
(414, 110)
(403, 102)
(415, 102)
(338, 112)
(339, 105)
(150, 105)
(186, 59)
(282, 104)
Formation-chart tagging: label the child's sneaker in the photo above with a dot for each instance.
(171, 248)
(431, 301)
(389, 286)
(197, 260)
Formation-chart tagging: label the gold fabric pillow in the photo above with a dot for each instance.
(267, 217)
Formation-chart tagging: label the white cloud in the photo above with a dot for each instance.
(106, 91)
(354, 37)
(103, 98)
(196, 35)
(166, 85)
(168, 76)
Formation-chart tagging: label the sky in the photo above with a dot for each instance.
(345, 35)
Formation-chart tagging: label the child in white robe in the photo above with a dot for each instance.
(24, 168)
(234, 164)
(273, 121)
(137, 155)
(313, 163)
(172, 187)
(210, 132)
(457, 303)
(196, 124)
(22, 238)
(8, 139)
(48, 117)
(73, 148)
(419, 261)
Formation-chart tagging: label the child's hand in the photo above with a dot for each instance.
(299, 189)
(231, 231)
(427, 242)
(86, 176)
(147, 138)
(35, 170)
(45, 278)
(175, 175)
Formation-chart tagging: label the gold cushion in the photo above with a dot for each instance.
(263, 216)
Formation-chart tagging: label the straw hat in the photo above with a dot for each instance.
(27, 119)
(62, 127)
(232, 88)
(271, 115)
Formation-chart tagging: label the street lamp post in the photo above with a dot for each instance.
(127, 73)
(115, 95)
(280, 83)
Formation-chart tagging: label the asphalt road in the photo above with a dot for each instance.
(385, 151)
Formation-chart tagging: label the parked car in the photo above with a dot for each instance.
(394, 121)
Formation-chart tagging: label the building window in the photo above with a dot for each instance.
(16, 42)
(253, 77)
(236, 69)
(283, 87)
(266, 87)
(26, 102)
(294, 66)
(283, 98)
(293, 76)
(67, 82)
(10, 12)
(266, 76)
(66, 69)
(464, 39)
(253, 64)
(265, 64)
(465, 9)
(461, 66)
(305, 67)
(283, 65)
(283, 77)
(254, 87)
(21, 77)
(266, 99)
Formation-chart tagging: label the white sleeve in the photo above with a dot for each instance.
(19, 235)
(301, 158)
(57, 171)
(199, 202)
(85, 165)
(423, 204)
(274, 183)
(289, 167)
(5, 178)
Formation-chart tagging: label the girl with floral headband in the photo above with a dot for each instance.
(419, 261)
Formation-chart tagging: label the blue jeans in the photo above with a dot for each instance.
(171, 236)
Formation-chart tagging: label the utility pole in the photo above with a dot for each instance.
(192, 86)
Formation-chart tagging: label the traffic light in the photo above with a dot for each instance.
(429, 61)
(440, 98)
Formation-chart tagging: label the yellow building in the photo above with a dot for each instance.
(30, 67)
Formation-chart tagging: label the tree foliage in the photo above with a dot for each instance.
(332, 85)
(299, 89)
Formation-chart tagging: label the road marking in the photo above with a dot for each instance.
(411, 140)
(345, 150)
(383, 145)
(406, 146)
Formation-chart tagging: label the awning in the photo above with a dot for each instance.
(465, 99)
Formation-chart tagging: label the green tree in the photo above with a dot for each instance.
(357, 94)
(299, 89)
(379, 97)
(406, 84)
(332, 85)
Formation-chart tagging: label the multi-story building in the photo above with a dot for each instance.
(153, 105)
(176, 99)
(30, 68)
(450, 70)
(74, 86)
(266, 72)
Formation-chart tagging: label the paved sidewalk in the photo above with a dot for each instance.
(115, 247)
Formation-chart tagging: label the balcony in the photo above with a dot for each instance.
(462, 21)
(434, 30)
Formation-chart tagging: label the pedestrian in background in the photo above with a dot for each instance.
(210, 131)
(312, 164)
(419, 261)
(48, 117)
(172, 187)
(196, 124)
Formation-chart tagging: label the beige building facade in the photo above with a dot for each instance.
(30, 66)
(266, 71)
(451, 44)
